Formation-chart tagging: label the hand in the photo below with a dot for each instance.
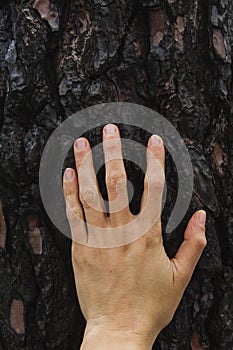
(127, 294)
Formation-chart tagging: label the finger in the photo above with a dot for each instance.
(89, 193)
(191, 249)
(73, 206)
(116, 179)
(154, 177)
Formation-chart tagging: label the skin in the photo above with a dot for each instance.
(130, 293)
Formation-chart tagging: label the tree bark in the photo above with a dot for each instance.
(58, 57)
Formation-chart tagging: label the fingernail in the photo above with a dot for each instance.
(156, 140)
(110, 129)
(80, 144)
(69, 174)
(202, 218)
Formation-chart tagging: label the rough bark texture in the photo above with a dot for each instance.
(60, 56)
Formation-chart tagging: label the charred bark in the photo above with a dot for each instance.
(58, 57)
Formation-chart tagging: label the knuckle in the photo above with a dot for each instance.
(116, 178)
(200, 243)
(111, 146)
(72, 213)
(88, 197)
(78, 163)
(68, 191)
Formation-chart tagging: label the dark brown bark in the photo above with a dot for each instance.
(57, 57)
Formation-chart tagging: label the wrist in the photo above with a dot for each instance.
(99, 338)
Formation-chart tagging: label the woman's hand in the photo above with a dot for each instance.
(127, 294)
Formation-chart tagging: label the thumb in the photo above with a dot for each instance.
(191, 249)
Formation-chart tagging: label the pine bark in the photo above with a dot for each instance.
(58, 57)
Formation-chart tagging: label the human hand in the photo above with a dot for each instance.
(127, 294)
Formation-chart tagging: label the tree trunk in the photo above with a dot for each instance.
(58, 57)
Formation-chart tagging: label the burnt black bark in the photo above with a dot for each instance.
(58, 57)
